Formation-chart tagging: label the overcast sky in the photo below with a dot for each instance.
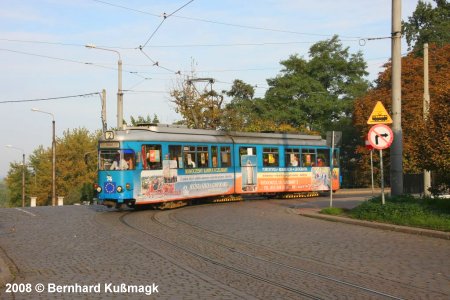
(42, 53)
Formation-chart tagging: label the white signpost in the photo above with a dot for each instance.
(380, 137)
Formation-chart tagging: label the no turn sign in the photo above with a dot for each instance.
(380, 136)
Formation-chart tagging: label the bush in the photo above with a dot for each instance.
(406, 210)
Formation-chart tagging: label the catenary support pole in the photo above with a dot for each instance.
(397, 145)
(426, 110)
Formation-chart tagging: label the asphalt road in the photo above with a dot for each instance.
(254, 249)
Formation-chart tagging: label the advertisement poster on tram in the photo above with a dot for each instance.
(169, 183)
(271, 180)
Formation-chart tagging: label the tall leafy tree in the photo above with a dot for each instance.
(428, 24)
(4, 195)
(241, 112)
(199, 108)
(317, 93)
(425, 144)
(76, 166)
(244, 112)
(76, 147)
(14, 184)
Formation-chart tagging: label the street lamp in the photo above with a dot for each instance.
(53, 155)
(119, 91)
(23, 171)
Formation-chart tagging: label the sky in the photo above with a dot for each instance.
(43, 54)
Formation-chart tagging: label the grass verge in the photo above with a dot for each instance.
(403, 210)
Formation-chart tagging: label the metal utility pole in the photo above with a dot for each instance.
(53, 154)
(119, 95)
(23, 180)
(119, 89)
(426, 110)
(331, 169)
(103, 99)
(397, 145)
(53, 164)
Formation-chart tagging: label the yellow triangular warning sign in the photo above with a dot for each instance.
(379, 115)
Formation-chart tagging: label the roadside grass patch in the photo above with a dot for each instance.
(406, 210)
(334, 211)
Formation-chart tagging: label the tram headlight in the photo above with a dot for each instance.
(119, 189)
(128, 187)
(97, 188)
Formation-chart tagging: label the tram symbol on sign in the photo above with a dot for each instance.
(379, 115)
(380, 136)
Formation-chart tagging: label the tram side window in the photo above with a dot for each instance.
(214, 155)
(308, 157)
(246, 151)
(335, 158)
(292, 157)
(152, 157)
(225, 156)
(202, 156)
(270, 157)
(189, 157)
(130, 158)
(175, 154)
(323, 157)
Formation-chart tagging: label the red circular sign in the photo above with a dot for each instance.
(380, 136)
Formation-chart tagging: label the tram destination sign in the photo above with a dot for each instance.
(109, 145)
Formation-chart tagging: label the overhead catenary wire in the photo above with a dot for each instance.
(51, 98)
(268, 43)
(156, 63)
(165, 16)
(226, 23)
(136, 73)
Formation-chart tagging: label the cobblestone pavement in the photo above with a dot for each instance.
(243, 250)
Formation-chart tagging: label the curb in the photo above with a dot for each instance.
(314, 213)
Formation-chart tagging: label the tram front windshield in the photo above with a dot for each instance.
(116, 160)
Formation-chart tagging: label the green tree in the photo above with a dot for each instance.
(14, 183)
(199, 109)
(73, 173)
(425, 144)
(242, 112)
(428, 24)
(317, 93)
(76, 166)
(4, 195)
(142, 120)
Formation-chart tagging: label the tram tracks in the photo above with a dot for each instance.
(290, 278)
(351, 278)
(259, 258)
(238, 264)
(216, 262)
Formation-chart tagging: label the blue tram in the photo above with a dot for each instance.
(170, 166)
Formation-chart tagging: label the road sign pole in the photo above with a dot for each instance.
(382, 176)
(371, 170)
(331, 170)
